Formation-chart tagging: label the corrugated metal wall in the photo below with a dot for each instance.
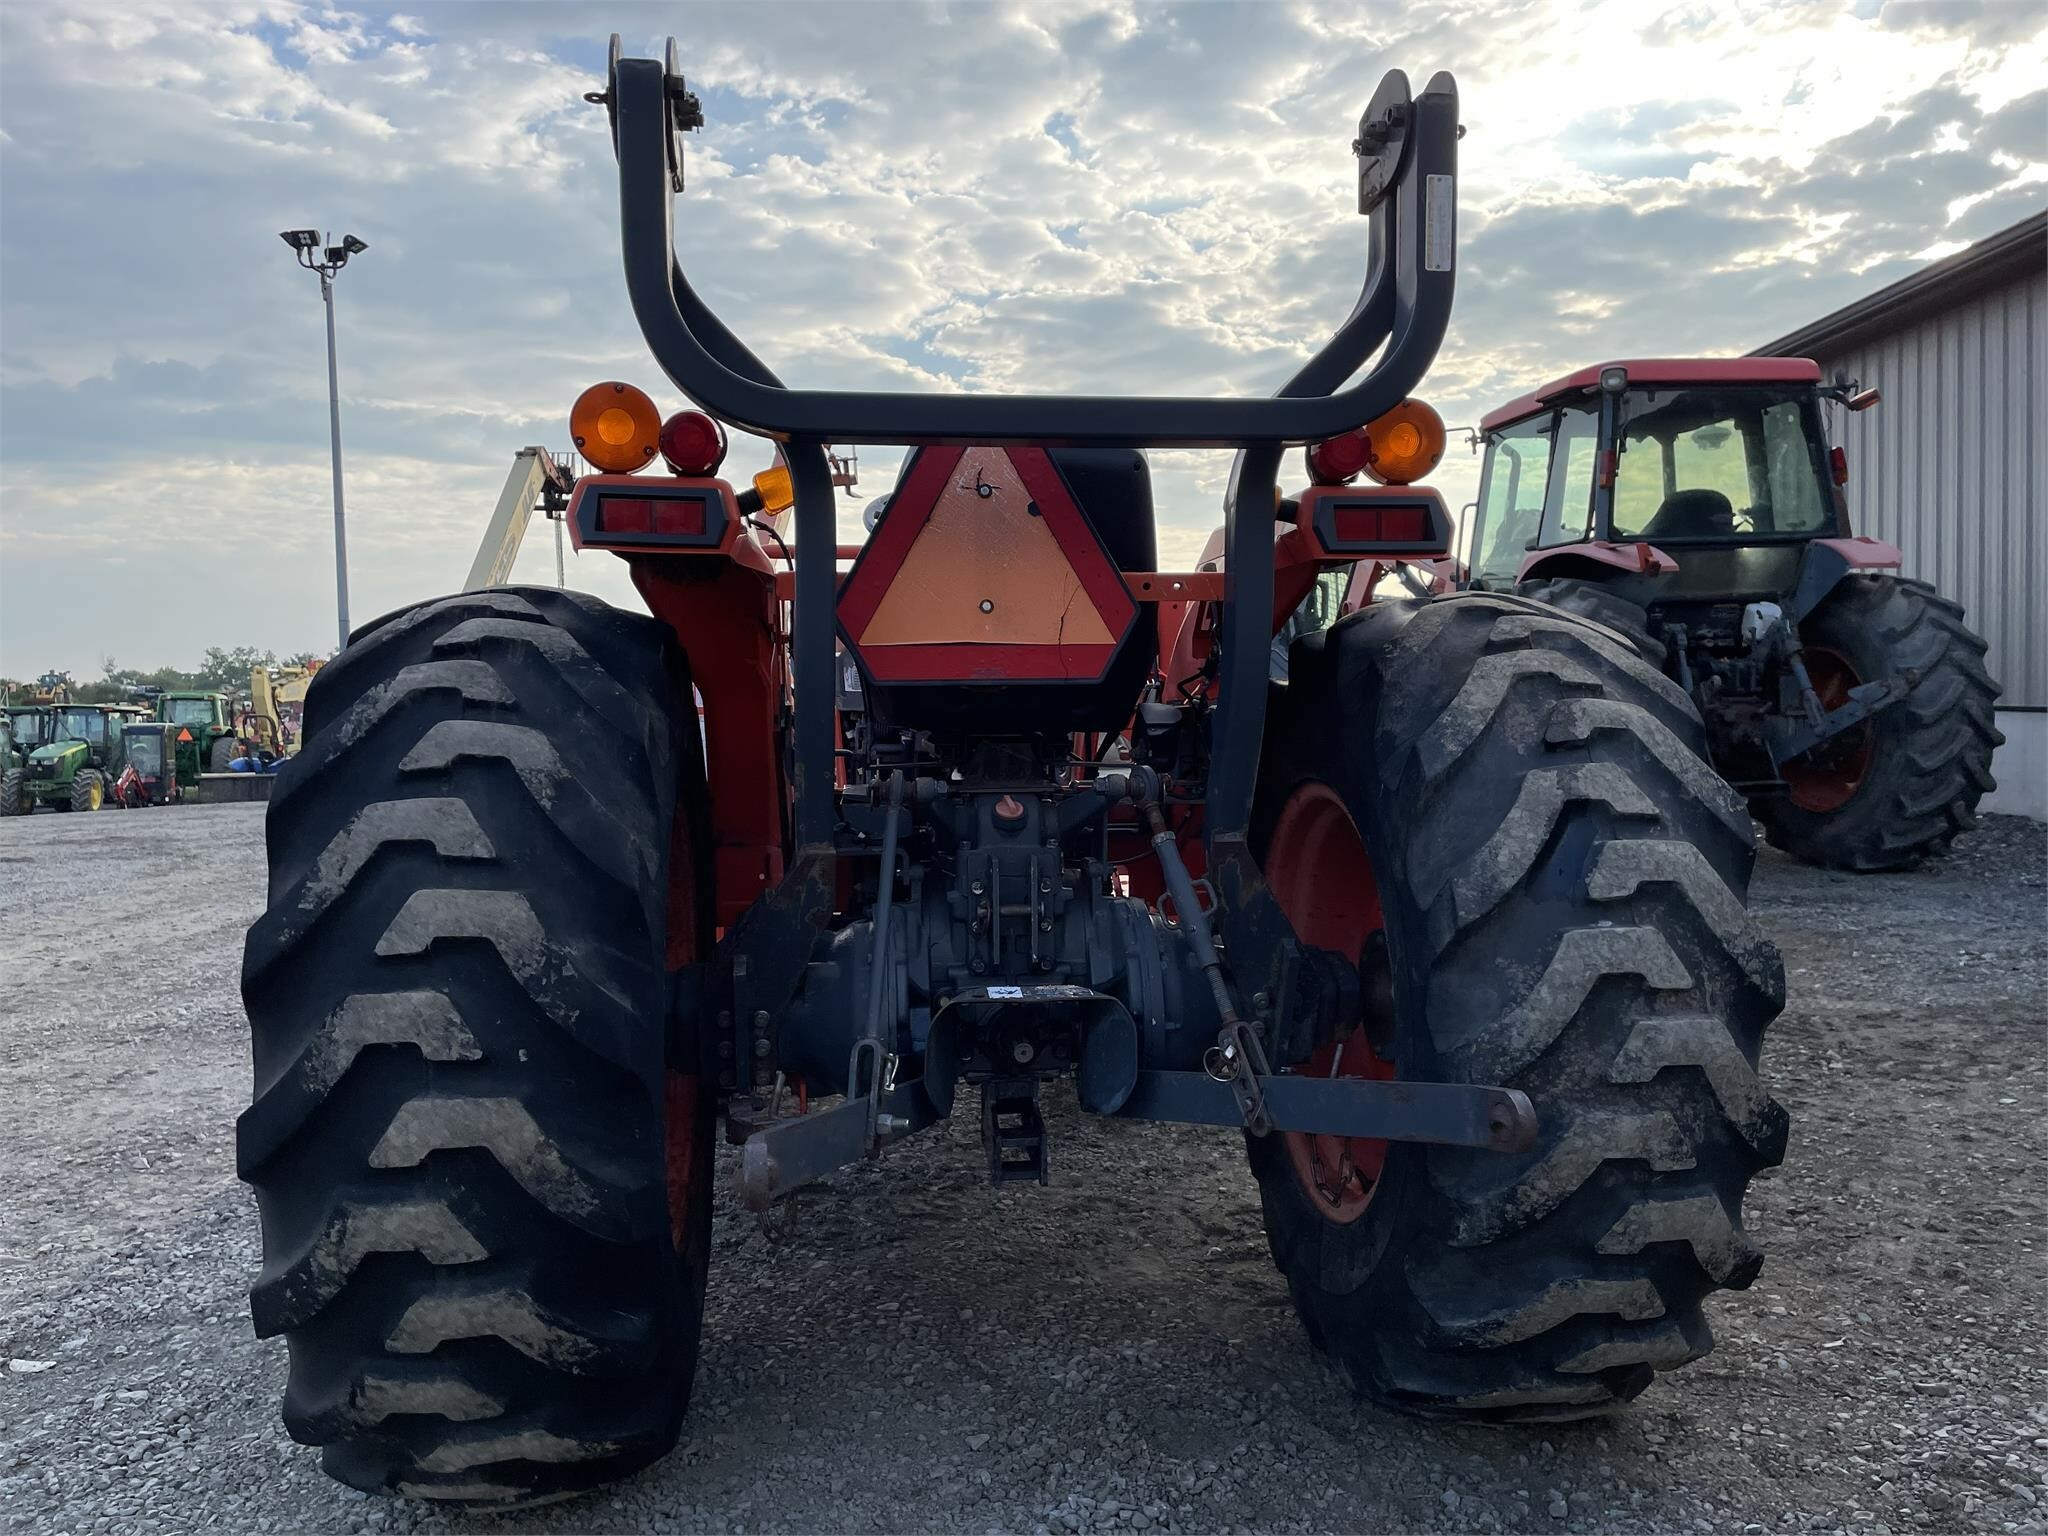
(1950, 468)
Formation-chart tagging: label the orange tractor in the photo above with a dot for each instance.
(1695, 507)
(1449, 925)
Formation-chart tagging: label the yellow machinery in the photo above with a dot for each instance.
(267, 722)
(277, 697)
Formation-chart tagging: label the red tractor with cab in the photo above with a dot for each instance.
(1694, 507)
(1448, 926)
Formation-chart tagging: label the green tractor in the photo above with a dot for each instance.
(21, 732)
(75, 765)
(205, 731)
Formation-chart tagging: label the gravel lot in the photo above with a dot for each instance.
(1115, 1352)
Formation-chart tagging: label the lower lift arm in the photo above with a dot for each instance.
(1236, 1086)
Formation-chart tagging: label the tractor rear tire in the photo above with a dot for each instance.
(1561, 880)
(11, 802)
(88, 790)
(1928, 759)
(220, 754)
(1591, 600)
(484, 1181)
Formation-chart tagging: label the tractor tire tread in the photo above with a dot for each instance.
(82, 785)
(457, 999)
(1933, 748)
(1576, 923)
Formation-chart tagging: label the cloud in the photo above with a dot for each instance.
(1886, 185)
(1101, 196)
(1988, 22)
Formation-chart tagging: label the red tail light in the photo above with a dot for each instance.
(638, 514)
(1380, 525)
(1610, 464)
(692, 443)
(1340, 458)
(1839, 462)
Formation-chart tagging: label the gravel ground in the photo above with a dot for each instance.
(1115, 1352)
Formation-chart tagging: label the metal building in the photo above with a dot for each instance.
(1949, 465)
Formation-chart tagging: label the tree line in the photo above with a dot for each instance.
(220, 670)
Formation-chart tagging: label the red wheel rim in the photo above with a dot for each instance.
(1323, 879)
(1827, 778)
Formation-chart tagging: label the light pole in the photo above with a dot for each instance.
(327, 262)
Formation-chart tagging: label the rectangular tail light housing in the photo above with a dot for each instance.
(1357, 520)
(649, 515)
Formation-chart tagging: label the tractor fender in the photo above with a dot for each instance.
(1572, 559)
(1827, 561)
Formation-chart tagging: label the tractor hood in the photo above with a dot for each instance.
(55, 757)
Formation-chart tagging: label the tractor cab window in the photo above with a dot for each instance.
(28, 731)
(189, 711)
(1568, 499)
(1516, 470)
(87, 725)
(145, 752)
(1795, 497)
(1720, 464)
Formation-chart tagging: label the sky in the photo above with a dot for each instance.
(1092, 195)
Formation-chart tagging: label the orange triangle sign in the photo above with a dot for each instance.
(984, 568)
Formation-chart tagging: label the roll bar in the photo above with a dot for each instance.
(1407, 150)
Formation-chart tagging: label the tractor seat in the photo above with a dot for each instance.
(1691, 514)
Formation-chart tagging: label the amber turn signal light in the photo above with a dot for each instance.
(775, 488)
(615, 427)
(1406, 443)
